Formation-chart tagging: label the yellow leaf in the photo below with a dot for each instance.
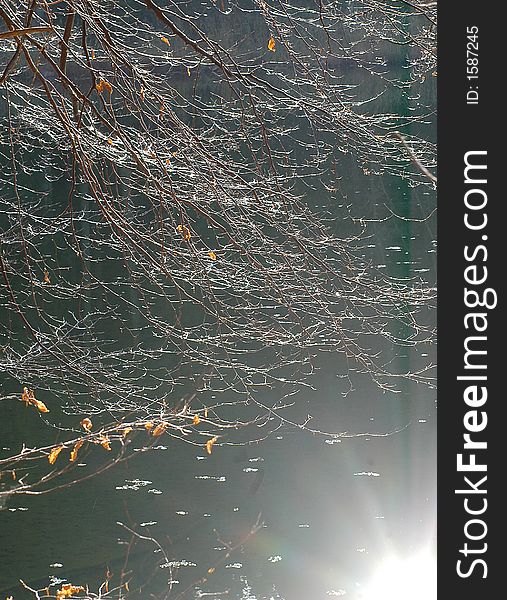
(67, 590)
(185, 231)
(148, 426)
(75, 450)
(25, 396)
(93, 54)
(271, 44)
(40, 406)
(13, 475)
(110, 141)
(104, 442)
(46, 276)
(196, 420)
(159, 429)
(87, 424)
(141, 94)
(165, 40)
(53, 455)
(104, 85)
(188, 71)
(212, 255)
(127, 586)
(126, 431)
(28, 397)
(209, 444)
(211, 570)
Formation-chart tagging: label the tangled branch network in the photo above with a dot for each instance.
(160, 246)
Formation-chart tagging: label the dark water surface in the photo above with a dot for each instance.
(330, 509)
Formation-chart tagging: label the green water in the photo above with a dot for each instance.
(330, 509)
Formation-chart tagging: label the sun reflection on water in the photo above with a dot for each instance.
(402, 578)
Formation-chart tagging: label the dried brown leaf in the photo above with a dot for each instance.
(53, 455)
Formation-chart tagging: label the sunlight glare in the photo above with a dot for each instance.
(400, 579)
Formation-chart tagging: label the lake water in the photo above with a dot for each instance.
(330, 510)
